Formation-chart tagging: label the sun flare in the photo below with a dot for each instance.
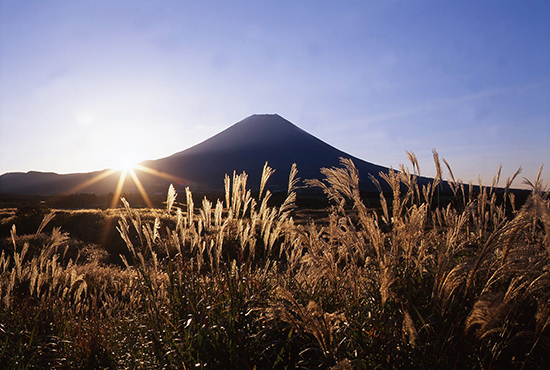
(124, 164)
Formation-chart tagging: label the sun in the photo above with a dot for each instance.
(126, 168)
(124, 164)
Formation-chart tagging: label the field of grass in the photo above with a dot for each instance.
(239, 283)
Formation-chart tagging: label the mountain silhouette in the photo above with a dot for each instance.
(245, 146)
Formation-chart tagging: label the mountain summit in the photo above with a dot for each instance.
(245, 146)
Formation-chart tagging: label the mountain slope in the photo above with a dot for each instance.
(247, 145)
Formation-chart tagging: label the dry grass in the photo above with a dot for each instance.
(238, 283)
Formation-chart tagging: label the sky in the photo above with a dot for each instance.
(89, 85)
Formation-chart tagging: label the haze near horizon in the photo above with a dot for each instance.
(86, 86)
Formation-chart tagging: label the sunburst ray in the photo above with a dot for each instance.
(141, 189)
(118, 190)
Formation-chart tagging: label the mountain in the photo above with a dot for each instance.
(245, 146)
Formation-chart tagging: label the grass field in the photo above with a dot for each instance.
(240, 283)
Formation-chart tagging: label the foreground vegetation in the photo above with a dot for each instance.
(240, 284)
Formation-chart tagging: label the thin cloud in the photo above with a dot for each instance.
(439, 104)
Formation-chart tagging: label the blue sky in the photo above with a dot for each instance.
(88, 85)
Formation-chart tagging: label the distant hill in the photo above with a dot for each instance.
(245, 146)
(48, 183)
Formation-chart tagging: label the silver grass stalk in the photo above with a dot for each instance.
(293, 179)
(414, 161)
(453, 183)
(439, 173)
(170, 198)
(190, 205)
(47, 218)
(266, 174)
(227, 185)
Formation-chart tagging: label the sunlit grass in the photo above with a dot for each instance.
(238, 283)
